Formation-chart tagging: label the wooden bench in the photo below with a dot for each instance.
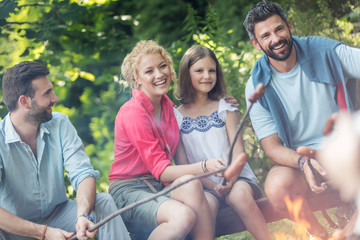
(228, 222)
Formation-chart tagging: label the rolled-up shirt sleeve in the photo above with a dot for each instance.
(76, 161)
(350, 60)
(261, 119)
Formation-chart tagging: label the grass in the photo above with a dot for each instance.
(285, 227)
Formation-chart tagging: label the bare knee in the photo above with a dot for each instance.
(187, 220)
(191, 186)
(179, 217)
(189, 193)
(242, 193)
(275, 191)
(282, 182)
(183, 222)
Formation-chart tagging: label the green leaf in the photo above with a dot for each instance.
(30, 34)
(6, 7)
(25, 53)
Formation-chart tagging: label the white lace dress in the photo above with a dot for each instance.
(205, 138)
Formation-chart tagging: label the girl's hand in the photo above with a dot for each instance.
(214, 165)
(222, 191)
(232, 101)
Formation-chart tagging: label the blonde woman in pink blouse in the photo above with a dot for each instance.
(146, 142)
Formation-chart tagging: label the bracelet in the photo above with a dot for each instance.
(84, 215)
(206, 170)
(43, 232)
(301, 162)
(202, 166)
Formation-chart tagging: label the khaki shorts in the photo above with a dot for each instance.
(128, 193)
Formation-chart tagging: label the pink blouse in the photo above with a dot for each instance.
(142, 145)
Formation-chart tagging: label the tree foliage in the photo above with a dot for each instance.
(83, 43)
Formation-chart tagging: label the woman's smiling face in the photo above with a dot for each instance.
(153, 75)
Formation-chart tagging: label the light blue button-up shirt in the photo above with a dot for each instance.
(31, 188)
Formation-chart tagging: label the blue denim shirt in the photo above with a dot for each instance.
(30, 188)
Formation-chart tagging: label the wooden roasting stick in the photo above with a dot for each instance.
(230, 169)
(236, 168)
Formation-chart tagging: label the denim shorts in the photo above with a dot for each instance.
(144, 215)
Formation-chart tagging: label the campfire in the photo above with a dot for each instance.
(301, 225)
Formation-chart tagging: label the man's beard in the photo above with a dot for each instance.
(39, 114)
(285, 54)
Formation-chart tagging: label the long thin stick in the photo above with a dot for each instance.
(258, 92)
(158, 194)
(241, 125)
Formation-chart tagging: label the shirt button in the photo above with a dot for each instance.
(43, 194)
(29, 152)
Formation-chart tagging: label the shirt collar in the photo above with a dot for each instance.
(146, 103)
(12, 136)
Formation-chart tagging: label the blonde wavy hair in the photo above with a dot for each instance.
(142, 48)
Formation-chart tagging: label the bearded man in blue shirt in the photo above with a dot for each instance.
(36, 146)
(306, 81)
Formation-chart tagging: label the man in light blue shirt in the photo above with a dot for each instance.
(36, 146)
(305, 80)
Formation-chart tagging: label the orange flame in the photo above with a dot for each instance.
(294, 208)
(283, 236)
(301, 225)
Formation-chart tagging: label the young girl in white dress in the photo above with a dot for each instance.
(207, 125)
